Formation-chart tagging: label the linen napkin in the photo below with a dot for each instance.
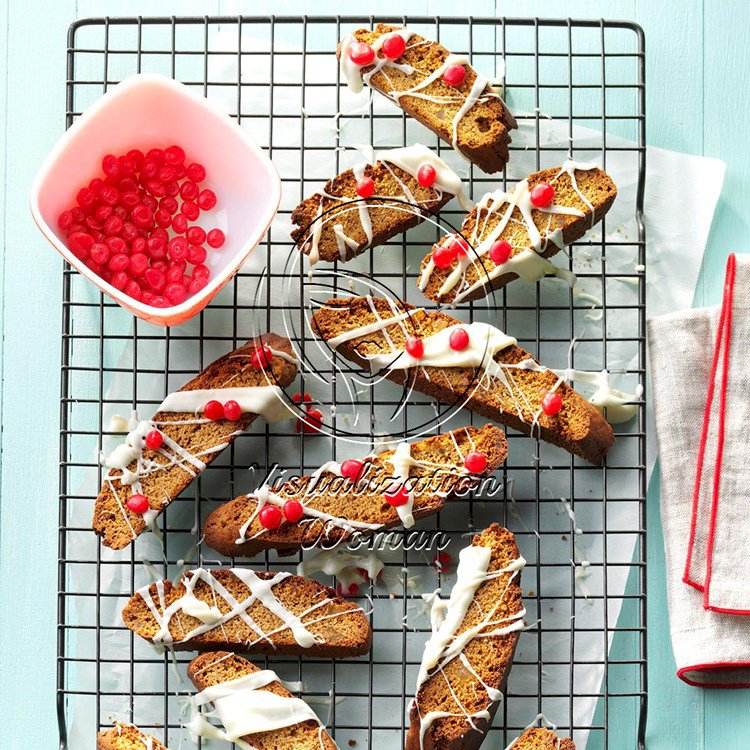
(700, 388)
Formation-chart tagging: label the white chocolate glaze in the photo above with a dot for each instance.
(265, 400)
(245, 709)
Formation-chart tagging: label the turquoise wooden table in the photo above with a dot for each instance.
(697, 71)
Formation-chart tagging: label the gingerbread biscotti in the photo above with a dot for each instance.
(254, 708)
(371, 202)
(541, 738)
(511, 235)
(162, 456)
(254, 612)
(468, 657)
(126, 737)
(437, 88)
(475, 365)
(396, 487)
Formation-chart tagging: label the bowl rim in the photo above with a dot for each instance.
(202, 298)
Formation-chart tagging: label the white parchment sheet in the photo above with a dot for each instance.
(677, 229)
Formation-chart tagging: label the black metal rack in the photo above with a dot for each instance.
(569, 72)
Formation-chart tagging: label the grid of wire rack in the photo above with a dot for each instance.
(577, 73)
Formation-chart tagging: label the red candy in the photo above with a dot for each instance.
(393, 46)
(500, 251)
(118, 262)
(215, 238)
(415, 347)
(119, 280)
(64, 220)
(261, 357)
(352, 469)
(475, 462)
(397, 496)
(196, 172)
(459, 246)
(175, 293)
(442, 256)
(311, 423)
(178, 248)
(197, 255)
(195, 235)
(214, 410)
(351, 590)
(302, 398)
(459, 339)
(174, 155)
(111, 165)
(99, 253)
(293, 511)
(542, 195)
(191, 210)
(454, 75)
(426, 175)
(154, 440)
(442, 562)
(180, 224)
(155, 278)
(361, 54)
(137, 503)
(551, 403)
(122, 225)
(365, 187)
(232, 411)
(270, 517)
(206, 200)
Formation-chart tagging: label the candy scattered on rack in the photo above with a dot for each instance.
(121, 223)
(313, 420)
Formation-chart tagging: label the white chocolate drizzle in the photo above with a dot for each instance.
(410, 159)
(259, 590)
(447, 644)
(245, 709)
(345, 566)
(528, 264)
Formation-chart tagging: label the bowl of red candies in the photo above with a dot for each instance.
(157, 197)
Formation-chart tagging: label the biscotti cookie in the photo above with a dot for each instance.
(371, 202)
(394, 488)
(467, 659)
(126, 737)
(439, 89)
(162, 456)
(256, 711)
(241, 610)
(511, 235)
(475, 365)
(540, 738)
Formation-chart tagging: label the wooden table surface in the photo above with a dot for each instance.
(697, 70)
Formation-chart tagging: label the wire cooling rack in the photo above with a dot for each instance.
(575, 86)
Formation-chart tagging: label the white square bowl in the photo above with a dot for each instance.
(147, 111)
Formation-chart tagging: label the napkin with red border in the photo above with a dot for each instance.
(700, 373)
